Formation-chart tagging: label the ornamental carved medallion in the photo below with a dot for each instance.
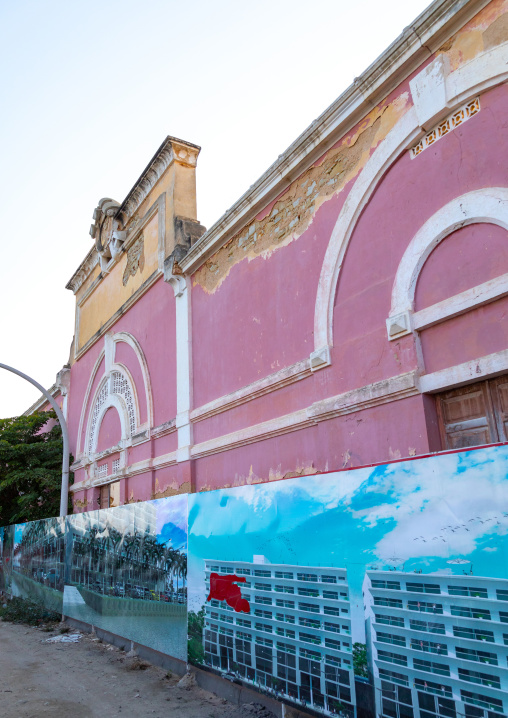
(135, 259)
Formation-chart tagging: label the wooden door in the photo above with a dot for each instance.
(499, 393)
(105, 497)
(466, 416)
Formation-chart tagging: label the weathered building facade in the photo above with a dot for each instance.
(348, 309)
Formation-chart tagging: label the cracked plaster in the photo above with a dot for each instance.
(487, 29)
(290, 215)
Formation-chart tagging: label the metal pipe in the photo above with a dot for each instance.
(64, 495)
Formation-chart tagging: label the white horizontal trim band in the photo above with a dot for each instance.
(461, 303)
(392, 389)
(466, 373)
(139, 467)
(277, 380)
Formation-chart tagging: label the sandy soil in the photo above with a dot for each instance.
(91, 679)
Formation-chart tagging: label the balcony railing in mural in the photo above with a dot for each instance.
(283, 689)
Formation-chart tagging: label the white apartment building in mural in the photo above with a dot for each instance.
(437, 644)
(296, 640)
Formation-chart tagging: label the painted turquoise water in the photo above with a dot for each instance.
(167, 634)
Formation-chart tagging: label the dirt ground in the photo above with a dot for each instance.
(89, 679)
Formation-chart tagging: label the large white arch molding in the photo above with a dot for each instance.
(436, 93)
(485, 205)
(118, 381)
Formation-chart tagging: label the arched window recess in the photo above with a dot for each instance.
(488, 205)
(116, 390)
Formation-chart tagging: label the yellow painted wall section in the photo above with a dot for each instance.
(487, 29)
(128, 274)
(88, 283)
(179, 185)
(185, 194)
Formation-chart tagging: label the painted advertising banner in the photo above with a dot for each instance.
(36, 561)
(376, 591)
(127, 572)
(380, 591)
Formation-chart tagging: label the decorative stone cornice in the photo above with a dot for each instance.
(83, 271)
(417, 43)
(171, 150)
(37, 406)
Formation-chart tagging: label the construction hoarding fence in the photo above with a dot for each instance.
(374, 591)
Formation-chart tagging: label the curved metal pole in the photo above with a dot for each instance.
(64, 495)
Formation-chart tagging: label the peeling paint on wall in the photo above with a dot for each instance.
(303, 470)
(293, 212)
(81, 504)
(171, 489)
(487, 29)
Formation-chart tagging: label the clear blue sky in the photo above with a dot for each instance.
(90, 90)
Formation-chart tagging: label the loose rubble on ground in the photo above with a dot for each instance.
(53, 671)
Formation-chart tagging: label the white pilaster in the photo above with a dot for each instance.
(181, 288)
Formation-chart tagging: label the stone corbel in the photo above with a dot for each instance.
(172, 272)
(184, 153)
(118, 237)
(187, 232)
(320, 358)
(63, 380)
(398, 325)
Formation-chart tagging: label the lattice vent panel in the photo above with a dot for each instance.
(101, 399)
(457, 118)
(118, 385)
(122, 388)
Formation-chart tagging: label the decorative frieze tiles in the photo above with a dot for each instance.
(443, 128)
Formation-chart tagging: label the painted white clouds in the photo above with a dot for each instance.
(172, 510)
(443, 507)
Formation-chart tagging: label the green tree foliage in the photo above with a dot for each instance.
(360, 660)
(30, 468)
(196, 624)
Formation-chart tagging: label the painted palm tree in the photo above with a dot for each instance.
(115, 539)
(169, 562)
(179, 568)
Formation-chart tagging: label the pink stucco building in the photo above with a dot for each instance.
(348, 309)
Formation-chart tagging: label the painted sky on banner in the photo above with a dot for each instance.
(169, 524)
(172, 521)
(446, 514)
(18, 533)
